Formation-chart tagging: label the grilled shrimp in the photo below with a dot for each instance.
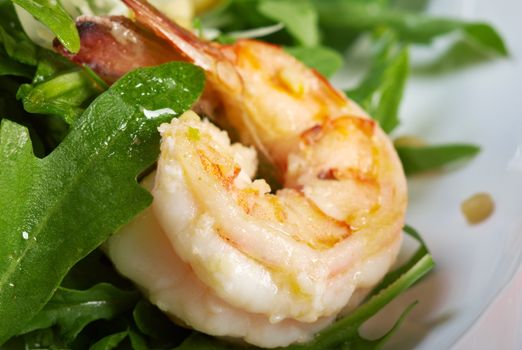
(221, 252)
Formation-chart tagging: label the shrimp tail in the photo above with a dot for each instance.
(113, 46)
(198, 51)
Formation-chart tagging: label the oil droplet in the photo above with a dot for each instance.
(478, 207)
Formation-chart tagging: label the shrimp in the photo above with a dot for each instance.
(218, 250)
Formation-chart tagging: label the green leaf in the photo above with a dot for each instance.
(486, 36)
(8, 66)
(459, 55)
(410, 26)
(414, 259)
(93, 269)
(137, 340)
(97, 80)
(71, 310)
(326, 61)
(412, 6)
(420, 159)
(110, 341)
(41, 339)
(361, 343)
(391, 91)
(154, 323)
(51, 64)
(13, 110)
(99, 329)
(16, 43)
(381, 90)
(59, 88)
(52, 130)
(64, 96)
(199, 341)
(299, 18)
(19, 50)
(53, 15)
(58, 209)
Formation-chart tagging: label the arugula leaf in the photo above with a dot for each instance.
(415, 258)
(413, 27)
(51, 130)
(459, 55)
(11, 109)
(46, 131)
(21, 51)
(412, 6)
(99, 329)
(486, 36)
(420, 159)
(64, 95)
(299, 18)
(97, 80)
(154, 323)
(8, 66)
(93, 269)
(361, 343)
(137, 340)
(199, 341)
(232, 37)
(381, 90)
(58, 209)
(51, 64)
(236, 15)
(391, 91)
(60, 88)
(53, 15)
(110, 341)
(326, 61)
(16, 43)
(71, 310)
(39, 339)
(341, 21)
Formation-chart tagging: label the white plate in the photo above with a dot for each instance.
(480, 104)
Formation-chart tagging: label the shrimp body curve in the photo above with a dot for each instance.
(221, 252)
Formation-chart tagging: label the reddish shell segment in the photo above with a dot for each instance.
(113, 46)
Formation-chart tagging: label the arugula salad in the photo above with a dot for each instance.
(75, 145)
